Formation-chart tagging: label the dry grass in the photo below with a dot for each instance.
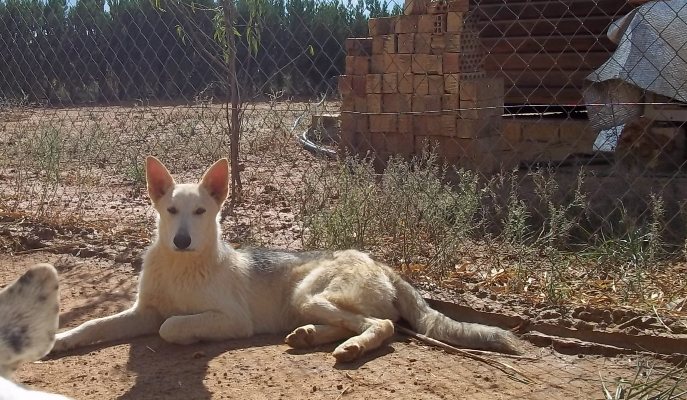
(458, 227)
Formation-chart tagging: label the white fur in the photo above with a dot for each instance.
(28, 321)
(12, 391)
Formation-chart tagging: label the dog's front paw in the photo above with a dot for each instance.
(301, 337)
(62, 343)
(173, 331)
(347, 352)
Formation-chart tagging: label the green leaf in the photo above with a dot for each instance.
(157, 5)
(181, 33)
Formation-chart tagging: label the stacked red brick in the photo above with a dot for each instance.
(418, 81)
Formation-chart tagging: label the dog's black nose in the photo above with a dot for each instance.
(182, 241)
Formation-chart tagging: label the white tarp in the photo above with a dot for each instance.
(651, 56)
(607, 140)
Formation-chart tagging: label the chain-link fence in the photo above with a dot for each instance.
(534, 148)
(524, 151)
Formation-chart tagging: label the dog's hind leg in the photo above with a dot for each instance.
(372, 332)
(315, 335)
(127, 324)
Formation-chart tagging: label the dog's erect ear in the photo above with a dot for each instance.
(159, 180)
(216, 180)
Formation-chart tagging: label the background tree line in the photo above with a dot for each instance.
(106, 51)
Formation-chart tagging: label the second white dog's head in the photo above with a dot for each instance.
(187, 213)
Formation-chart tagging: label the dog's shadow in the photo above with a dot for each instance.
(352, 365)
(168, 371)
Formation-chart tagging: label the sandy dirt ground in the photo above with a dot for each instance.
(265, 368)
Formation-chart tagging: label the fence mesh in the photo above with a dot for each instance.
(499, 91)
(527, 148)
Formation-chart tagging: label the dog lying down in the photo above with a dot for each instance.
(194, 287)
(28, 321)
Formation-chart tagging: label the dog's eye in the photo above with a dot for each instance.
(172, 210)
(200, 211)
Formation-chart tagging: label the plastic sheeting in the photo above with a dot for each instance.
(651, 56)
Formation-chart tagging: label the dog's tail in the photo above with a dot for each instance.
(427, 321)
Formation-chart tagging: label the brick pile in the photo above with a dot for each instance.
(418, 81)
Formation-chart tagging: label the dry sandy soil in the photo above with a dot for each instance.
(265, 368)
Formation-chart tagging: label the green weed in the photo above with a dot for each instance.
(649, 384)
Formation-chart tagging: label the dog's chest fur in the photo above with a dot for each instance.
(179, 286)
(254, 284)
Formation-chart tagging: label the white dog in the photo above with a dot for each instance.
(195, 287)
(29, 309)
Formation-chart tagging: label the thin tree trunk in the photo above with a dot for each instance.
(233, 119)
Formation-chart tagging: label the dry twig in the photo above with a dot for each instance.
(509, 370)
